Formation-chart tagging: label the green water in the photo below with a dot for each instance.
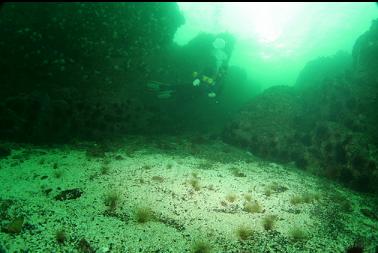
(276, 40)
(188, 127)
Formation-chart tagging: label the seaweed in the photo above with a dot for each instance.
(112, 200)
(269, 222)
(297, 233)
(243, 232)
(248, 197)
(252, 207)
(144, 214)
(236, 172)
(231, 197)
(201, 246)
(60, 236)
(104, 170)
(194, 182)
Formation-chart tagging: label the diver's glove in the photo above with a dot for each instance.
(211, 95)
(196, 82)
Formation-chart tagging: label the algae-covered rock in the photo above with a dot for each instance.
(5, 205)
(84, 247)
(78, 70)
(315, 71)
(14, 227)
(327, 123)
(365, 51)
(267, 122)
(69, 194)
(4, 151)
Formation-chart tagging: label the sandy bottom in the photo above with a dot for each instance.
(169, 195)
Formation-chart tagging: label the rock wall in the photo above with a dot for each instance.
(82, 45)
(327, 123)
(79, 69)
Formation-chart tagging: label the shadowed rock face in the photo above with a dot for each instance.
(269, 118)
(82, 45)
(4, 152)
(79, 69)
(327, 123)
(365, 51)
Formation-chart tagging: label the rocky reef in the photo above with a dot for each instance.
(79, 69)
(326, 123)
(93, 47)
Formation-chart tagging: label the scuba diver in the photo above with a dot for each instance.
(212, 75)
(208, 64)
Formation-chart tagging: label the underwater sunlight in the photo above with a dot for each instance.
(276, 39)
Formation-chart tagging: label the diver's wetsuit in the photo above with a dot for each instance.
(212, 75)
(209, 79)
